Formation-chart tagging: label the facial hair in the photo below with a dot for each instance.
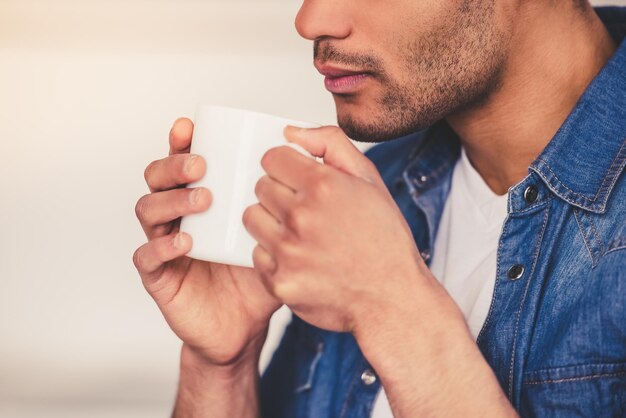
(455, 65)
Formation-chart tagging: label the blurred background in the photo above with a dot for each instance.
(88, 92)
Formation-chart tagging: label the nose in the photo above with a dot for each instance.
(324, 18)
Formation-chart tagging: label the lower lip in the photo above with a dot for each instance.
(346, 84)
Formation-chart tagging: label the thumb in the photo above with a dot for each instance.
(332, 144)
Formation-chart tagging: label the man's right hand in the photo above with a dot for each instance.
(220, 312)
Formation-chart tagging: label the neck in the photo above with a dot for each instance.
(554, 54)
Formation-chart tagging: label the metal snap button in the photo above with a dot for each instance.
(531, 193)
(368, 377)
(425, 255)
(419, 181)
(515, 272)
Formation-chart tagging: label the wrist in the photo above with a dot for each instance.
(421, 349)
(230, 350)
(207, 389)
(194, 362)
(419, 319)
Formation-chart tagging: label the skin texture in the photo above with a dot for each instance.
(416, 76)
(331, 242)
(290, 224)
(220, 312)
(505, 74)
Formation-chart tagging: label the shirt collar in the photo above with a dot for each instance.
(584, 159)
(580, 164)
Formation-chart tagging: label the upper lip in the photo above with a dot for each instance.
(335, 72)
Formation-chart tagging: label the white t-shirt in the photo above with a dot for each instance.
(466, 245)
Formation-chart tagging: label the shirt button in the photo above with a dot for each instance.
(419, 181)
(368, 377)
(516, 272)
(425, 255)
(531, 193)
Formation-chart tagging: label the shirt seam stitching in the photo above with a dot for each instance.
(344, 408)
(608, 182)
(621, 247)
(582, 232)
(496, 287)
(575, 379)
(534, 206)
(519, 311)
(595, 232)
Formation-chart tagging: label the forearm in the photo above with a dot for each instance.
(428, 361)
(210, 391)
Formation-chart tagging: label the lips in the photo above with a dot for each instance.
(343, 81)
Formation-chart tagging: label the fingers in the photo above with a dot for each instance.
(174, 171)
(263, 261)
(156, 209)
(150, 258)
(288, 166)
(180, 136)
(275, 197)
(263, 227)
(332, 144)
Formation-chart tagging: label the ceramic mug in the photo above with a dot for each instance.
(232, 141)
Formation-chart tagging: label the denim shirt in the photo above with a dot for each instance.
(555, 334)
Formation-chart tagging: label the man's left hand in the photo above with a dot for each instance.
(332, 243)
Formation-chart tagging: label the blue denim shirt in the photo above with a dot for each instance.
(556, 336)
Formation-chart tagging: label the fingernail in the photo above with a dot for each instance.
(179, 241)
(194, 197)
(190, 163)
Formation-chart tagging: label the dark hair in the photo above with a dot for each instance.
(581, 4)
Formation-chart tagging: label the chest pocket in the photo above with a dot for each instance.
(596, 390)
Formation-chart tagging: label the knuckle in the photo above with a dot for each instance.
(138, 259)
(286, 250)
(296, 219)
(148, 173)
(282, 287)
(321, 186)
(263, 262)
(333, 130)
(268, 157)
(141, 208)
(248, 215)
(261, 187)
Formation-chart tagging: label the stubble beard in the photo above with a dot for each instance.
(454, 67)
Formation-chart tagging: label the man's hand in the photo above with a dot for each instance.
(332, 242)
(220, 312)
(334, 246)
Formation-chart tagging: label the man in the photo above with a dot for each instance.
(511, 191)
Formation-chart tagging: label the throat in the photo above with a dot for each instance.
(549, 66)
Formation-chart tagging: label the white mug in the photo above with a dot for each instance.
(232, 141)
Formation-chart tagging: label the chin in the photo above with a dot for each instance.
(371, 126)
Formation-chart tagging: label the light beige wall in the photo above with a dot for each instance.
(88, 90)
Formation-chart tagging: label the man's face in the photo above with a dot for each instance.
(397, 66)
